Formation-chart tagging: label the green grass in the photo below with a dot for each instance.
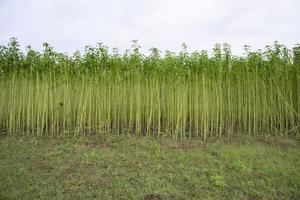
(113, 166)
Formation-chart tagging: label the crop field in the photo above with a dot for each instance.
(184, 95)
(161, 126)
(168, 100)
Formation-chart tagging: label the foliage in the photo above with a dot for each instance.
(182, 95)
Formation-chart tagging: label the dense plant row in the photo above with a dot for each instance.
(182, 95)
(276, 58)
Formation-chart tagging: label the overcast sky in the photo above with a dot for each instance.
(69, 25)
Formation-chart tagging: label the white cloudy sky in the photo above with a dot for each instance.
(69, 25)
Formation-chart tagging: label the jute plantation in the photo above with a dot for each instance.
(203, 104)
(155, 126)
(183, 95)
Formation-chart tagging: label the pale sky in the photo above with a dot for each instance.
(70, 25)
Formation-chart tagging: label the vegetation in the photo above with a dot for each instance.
(185, 95)
(120, 167)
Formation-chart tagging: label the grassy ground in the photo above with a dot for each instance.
(119, 167)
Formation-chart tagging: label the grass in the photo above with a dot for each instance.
(111, 166)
